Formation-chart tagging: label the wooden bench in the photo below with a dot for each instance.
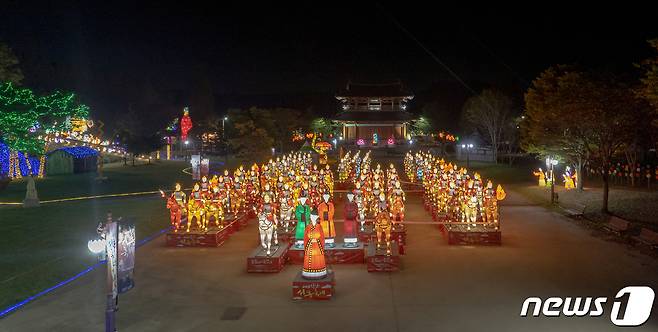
(647, 237)
(617, 225)
(578, 210)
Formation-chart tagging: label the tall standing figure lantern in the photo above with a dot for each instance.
(185, 124)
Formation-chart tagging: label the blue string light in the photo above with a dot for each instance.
(22, 163)
(90, 268)
(79, 151)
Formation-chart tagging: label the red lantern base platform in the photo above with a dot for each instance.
(286, 235)
(398, 234)
(313, 290)
(214, 237)
(241, 219)
(378, 261)
(335, 255)
(259, 262)
(461, 236)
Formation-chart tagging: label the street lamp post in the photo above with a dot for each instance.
(107, 243)
(550, 163)
(468, 148)
(224, 120)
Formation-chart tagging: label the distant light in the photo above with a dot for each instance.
(470, 145)
(187, 142)
(335, 141)
(340, 138)
(411, 141)
(463, 146)
(226, 118)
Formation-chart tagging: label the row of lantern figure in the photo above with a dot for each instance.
(454, 193)
(377, 195)
(545, 178)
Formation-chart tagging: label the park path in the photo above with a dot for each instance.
(441, 287)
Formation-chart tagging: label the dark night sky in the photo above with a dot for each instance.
(105, 52)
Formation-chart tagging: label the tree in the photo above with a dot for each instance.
(251, 142)
(649, 87)
(139, 131)
(324, 126)
(278, 124)
(593, 114)
(9, 70)
(421, 126)
(489, 113)
(549, 125)
(25, 118)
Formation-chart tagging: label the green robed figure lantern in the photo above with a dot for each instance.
(303, 215)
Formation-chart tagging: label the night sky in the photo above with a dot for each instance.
(108, 53)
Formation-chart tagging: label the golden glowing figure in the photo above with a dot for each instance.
(541, 177)
(383, 224)
(196, 209)
(215, 207)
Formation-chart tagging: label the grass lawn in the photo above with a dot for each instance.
(47, 244)
(633, 204)
(120, 179)
(44, 245)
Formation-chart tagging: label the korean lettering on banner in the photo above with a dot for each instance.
(196, 166)
(111, 250)
(126, 253)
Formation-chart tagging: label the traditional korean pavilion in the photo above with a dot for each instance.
(374, 114)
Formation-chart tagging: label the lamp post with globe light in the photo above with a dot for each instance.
(550, 164)
(468, 148)
(107, 244)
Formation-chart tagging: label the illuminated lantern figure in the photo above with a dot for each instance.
(195, 208)
(326, 214)
(267, 224)
(303, 215)
(500, 193)
(237, 197)
(329, 180)
(568, 179)
(374, 195)
(285, 206)
(215, 208)
(383, 224)
(314, 266)
(361, 204)
(205, 186)
(185, 124)
(490, 204)
(351, 211)
(541, 177)
(176, 206)
(397, 203)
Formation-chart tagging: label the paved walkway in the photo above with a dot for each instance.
(441, 287)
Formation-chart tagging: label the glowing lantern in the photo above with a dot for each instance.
(360, 142)
(390, 141)
(185, 124)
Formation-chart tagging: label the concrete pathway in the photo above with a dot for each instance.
(441, 287)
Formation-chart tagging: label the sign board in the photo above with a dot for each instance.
(205, 166)
(126, 256)
(111, 251)
(195, 160)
